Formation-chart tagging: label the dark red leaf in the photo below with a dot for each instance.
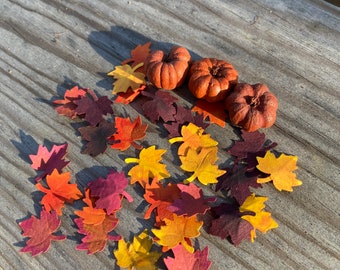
(97, 137)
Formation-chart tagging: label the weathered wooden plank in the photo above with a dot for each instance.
(292, 46)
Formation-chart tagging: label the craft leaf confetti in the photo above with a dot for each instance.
(215, 111)
(59, 191)
(149, 166)
(127, 77)
(280, 170)
(138, 54)
(138, 254)
(40, 232)
(185, 260)
(178, 230)
(127, 133)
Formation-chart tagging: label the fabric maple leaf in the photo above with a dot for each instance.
(280, 171)
(252, 144)
(109, 192)
(59, 191)
(193, 138)
(202, 165)
(127, 77)
(138, 254)
(96, 137)
(149, 166)
(67, 106)
(96, 236)
(183, 117)
(127, 133)
(260, 220)
(46, 161)
(160, 197)
(238, 181)
(227, 223)
(40, 232)
(93, 108)
(185, 260)
(129, 96)
(90, 214)
(178, 230)
(138, 55)
(161, 106)
(191, 201)
(214, 110)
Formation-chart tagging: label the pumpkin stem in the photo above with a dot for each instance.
(215, 71)
(252, 101)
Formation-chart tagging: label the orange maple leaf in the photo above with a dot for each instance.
(89, 214)
(129, 96)
(59, 192)
(149, 166)
(280, 170)
(214, 110)
(127, 132)
(179, 230)
(138, 55)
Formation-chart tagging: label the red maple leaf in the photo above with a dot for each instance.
(214, 110)
(93, 108)
(109, 191)
(185, 260)
(129, 96)
(227, 223)
(161, 106)
(127, 133)
(40, 232)
(160, 197)
(46, 161)
(67, 106)
(238, 182)
(96, 137)
(191, 201)
(252, 144)
(96, 236)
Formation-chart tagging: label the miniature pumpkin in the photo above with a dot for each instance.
(211, 79)
(168, 71)
(252, 106)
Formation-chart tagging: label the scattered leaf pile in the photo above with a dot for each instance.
(178, 206)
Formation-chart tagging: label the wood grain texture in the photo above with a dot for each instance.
(46, 46)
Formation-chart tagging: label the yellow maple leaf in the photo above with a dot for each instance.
(126, 77)
(202, 164)
(179, 230)
(280, 170)
(149, 166)
(193, 137)
(137, 255)
(262, 220)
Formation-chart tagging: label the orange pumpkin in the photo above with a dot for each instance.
(168, 71)
(252, 106)
(211, 79)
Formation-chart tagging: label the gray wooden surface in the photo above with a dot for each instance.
(46, 46)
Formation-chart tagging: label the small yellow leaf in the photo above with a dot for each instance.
(137, 255)
(126, 77)
(149, 166)
(202, 165)
(280, 170)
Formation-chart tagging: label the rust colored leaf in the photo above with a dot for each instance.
(40, 232)
(127, 133)
(138, 55)
(213, 110)
(129, 96)
(67, 106)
